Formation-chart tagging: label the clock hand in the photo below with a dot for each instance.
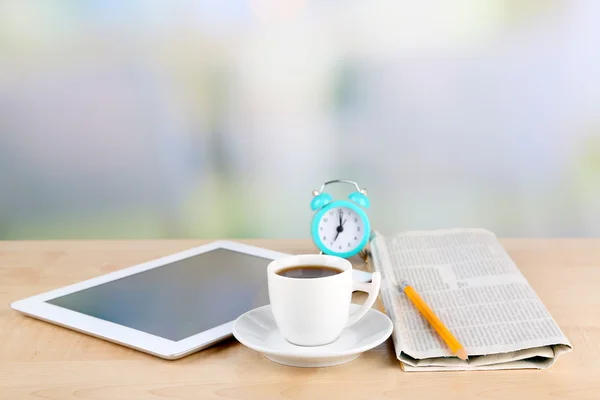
(340, 227)
(344, 222)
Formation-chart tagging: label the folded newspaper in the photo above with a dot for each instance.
(475, 288)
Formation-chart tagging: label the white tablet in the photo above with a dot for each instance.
(168, 307)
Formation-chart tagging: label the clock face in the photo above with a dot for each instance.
(341, 229)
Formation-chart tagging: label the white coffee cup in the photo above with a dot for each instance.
(315, 311)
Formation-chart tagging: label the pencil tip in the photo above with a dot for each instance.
(462, 354)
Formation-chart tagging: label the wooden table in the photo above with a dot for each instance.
(42, 361)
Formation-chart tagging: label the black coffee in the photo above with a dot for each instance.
(309, 271)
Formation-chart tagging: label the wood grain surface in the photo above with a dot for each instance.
(41, 361)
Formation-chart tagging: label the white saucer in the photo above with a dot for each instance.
(257, 330)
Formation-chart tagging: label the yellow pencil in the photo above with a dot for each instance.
(430, 316)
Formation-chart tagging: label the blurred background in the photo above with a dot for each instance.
(214, 119)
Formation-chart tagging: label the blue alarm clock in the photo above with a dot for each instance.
(341, 227)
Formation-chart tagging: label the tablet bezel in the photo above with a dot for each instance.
(37, 307)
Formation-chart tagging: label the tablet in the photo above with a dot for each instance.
(168, 307)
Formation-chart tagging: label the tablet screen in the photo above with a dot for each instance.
(181, 299)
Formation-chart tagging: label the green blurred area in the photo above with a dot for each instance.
(218, 119)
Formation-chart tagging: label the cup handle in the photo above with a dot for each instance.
(372, 289)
